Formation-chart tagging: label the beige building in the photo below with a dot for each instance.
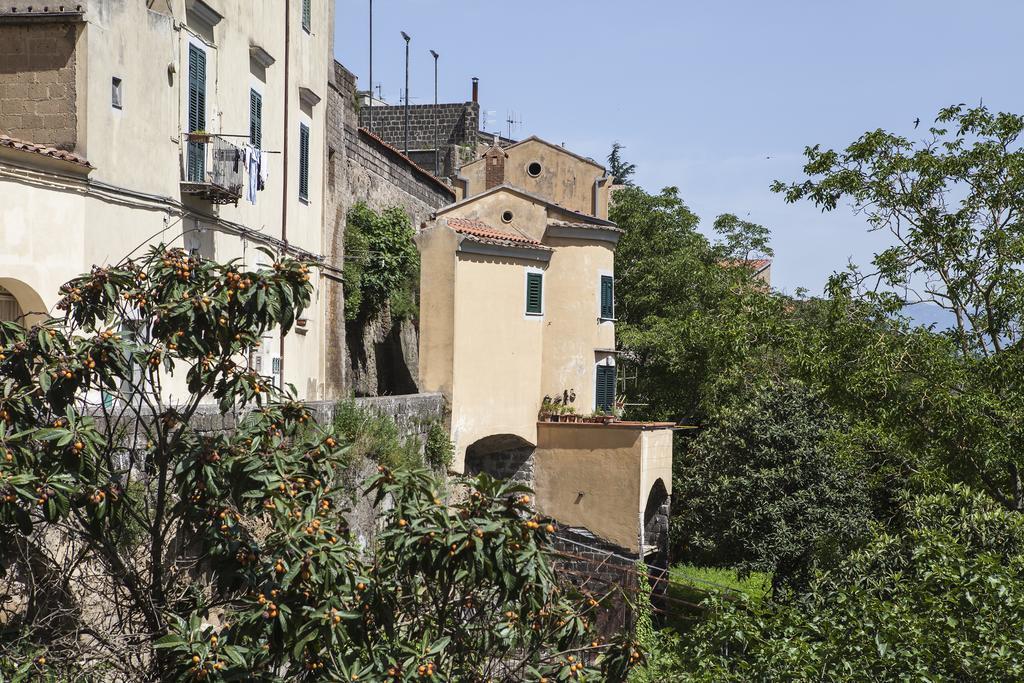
(100, 101)
(517, 312)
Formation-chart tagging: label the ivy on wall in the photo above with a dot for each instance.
(381, 263)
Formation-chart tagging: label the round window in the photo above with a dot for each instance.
(507, 216)
(534, 169)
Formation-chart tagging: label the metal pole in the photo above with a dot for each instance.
(406, 36)
(436, 149)
(371, 66)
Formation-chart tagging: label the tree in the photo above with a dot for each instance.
(952, 206)
(940, 598)
(742, 240)
(768, 488)
(618, 168)
(136, 547)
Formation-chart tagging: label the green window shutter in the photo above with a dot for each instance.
(303, 162)
(605, 390)
(196, 161)
(255, 119)
(306, 15)
(534, 293)
(607, 297)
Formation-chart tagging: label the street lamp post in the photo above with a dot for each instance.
(436, 150)
(371, 67)
(407, 39)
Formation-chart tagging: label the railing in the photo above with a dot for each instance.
(212, 168)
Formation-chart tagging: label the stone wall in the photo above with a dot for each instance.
(457, 124)
(378, 356)
(413, 414)
(37, 81)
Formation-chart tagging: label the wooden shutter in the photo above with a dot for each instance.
(605, 390)
(607, 297)
(306, 12)
(196, 163)
(534, 293)
(303, 162)
(255, 119)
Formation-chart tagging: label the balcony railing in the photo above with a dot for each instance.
(212, 168)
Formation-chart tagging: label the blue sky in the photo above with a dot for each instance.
(718, 98)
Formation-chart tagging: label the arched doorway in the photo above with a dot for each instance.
(656, 540)
(502, 456)
(20, 303)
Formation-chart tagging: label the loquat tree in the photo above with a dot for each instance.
(135, 546)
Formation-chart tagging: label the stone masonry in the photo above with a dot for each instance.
(457, 125)
(37, 82)
(379, 356)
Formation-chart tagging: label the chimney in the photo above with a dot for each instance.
(494, 158)
(476, 90)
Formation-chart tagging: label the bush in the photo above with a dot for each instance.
(374, 436)
(381, 263)
(939, 599)
(439, 451)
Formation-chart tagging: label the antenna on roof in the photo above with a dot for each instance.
(513, 121)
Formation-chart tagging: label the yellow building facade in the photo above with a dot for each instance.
(517, 315)
(118, 166)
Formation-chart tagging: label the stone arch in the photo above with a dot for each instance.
(19, 302)
(655, 539)
(502, 456)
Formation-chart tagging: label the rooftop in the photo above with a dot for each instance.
(44, 150)
(483, 232)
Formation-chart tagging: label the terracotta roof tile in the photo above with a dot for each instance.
(754, 264)
(586, 226)
(482, 231)
(25, 146)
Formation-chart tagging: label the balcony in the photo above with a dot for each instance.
(212, 169)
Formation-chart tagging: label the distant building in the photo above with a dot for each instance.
(760, 268)
(517, 287)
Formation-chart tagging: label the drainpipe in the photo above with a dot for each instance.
(284, 155)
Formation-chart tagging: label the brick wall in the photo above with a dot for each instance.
(37, 83)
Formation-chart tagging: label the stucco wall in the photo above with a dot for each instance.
(564, 178)
(133, 195)
(437, 308)
(598, 476)
(574, 332)
(496, 376)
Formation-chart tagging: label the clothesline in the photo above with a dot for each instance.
(225, 135)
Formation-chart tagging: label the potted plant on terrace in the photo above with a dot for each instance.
(200, 136)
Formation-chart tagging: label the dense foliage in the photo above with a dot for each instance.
(940, 599)
(769, 488)
(620, 169)
(136, 546)
(381, 263)
(819, 416)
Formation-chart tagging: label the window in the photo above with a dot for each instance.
(255, 119)
(534, 169)
(605, 393)
(535, 293)
(306, 14)
(507, 216)
(607, 297)
(196, 112)
(304, 162)
(115, 93)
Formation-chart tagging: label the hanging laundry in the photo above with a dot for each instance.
(252, 167)
(264, 169)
